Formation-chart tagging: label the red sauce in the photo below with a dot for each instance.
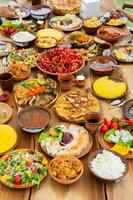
(37, 118)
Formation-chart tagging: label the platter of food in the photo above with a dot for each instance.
(61, 173)
(117, 135)
(87, 45)
(63, 7)
(10, 27)
(123, 53)
(8, 138)
(20, 56)
(38, 91)
(60, 60)
(5, 112)
(6, 47)
(116, 18)
(109, 87)
(73, 105)
(23, 168)
(66, 139)
(68, 22)
(49, 32)
(19, 71)
(109, 34)
(46, 42)
(20, 13)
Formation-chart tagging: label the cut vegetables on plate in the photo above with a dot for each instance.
(26, 56)
(38, 91)
(109, 87)
(66, 139)
(23, 168)
(117, 135)
(8, 138)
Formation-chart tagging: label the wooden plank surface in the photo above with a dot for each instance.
(87, 188)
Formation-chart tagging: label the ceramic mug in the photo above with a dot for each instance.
(66, 81)
(92, 121)
(6, 82)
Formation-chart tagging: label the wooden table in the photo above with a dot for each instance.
(88, 188)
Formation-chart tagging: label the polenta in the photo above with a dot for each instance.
(109, 89)
(8, 138)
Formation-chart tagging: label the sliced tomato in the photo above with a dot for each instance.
(17, 180)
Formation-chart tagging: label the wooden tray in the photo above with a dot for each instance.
(114, 79)
(14, 185)
(106, 145)
(84, 152)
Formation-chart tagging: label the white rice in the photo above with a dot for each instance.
(107, 165)
(23, 36)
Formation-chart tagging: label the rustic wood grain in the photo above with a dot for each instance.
(87, 188)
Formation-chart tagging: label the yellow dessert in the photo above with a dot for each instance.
(8, 138)
(109, 89)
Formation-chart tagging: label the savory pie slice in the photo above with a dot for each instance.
(73, 105)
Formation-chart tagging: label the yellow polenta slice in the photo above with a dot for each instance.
(8, 138)
(107, 88)
(49, 32)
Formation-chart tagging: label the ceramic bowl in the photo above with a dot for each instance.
(106, 180)
(109, 28)
(33, 129)
(4, 96)
(66, 182)
(23, 44)
(105, 70)
(128, 109)
(40, 15)
(90, 30)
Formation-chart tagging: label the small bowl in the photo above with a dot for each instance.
(103, 70)
(105, 180)
(20, 78)
(90, 30)
(109, 28)
(24, 44)
(68, 182)
(4, 96)
(41, 15)
(128, 109)
(33, 129)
